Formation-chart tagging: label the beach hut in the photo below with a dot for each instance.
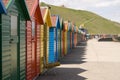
(54, 45)
(52, 41)
(75, 35)
(12, 40)
(33, 39)
(62, 37)
(79, 35)
(58, 38)
(65, 28)
(69, 37)
(2, 11)
(44, 38)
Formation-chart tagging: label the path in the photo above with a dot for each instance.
(89, 61)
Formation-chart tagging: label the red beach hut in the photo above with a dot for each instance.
(33, 39)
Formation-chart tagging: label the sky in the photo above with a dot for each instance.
(109, 9)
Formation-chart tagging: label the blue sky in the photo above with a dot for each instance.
(109, 9)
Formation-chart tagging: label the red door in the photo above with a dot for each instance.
(28, 50)
(33, 49)
(37, 44)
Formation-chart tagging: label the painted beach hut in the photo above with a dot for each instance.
(68, 37)
(52, 41)
(73, 32)
(33, 39)
(62, 37)
(79, 35)
(75, 35)
(44, 37)
(71, 35)
(65, 29)
(58, 38)
(2, 12)
(12, 40)
(54, 45)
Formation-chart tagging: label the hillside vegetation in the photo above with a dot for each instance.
(93, 22)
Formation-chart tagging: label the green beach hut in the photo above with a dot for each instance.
(12, 40)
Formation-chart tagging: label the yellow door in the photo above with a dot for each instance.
(41, 48)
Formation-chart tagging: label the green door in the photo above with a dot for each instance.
(13, 46)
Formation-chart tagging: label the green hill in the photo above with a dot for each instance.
(93, 22)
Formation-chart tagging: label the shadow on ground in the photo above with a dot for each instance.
(63, 74)
(70, 66)
(76, 55)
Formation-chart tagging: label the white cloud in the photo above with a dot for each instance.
(108, 3)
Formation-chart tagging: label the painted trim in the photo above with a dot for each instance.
(3, 8)
(47, 18)
(10, 1)
(34, 8)
(23, 6)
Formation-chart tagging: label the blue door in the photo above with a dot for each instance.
(52, 45)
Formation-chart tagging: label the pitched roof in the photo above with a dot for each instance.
(34, 9)
(2, 7)
(61, 23)
(65, 26)
(7, 3)
(54, 21)
(46, 16)
(43, 11)
(39, 15)
(32, 5)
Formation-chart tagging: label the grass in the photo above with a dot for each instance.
(93, 22)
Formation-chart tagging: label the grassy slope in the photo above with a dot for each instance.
(93, 22)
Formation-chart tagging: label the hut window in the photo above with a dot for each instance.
(33, 28)
(14, 25)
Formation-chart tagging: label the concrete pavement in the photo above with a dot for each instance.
(88, 61)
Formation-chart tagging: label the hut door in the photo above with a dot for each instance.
(13, 44)
(45, 45)
(33, 50)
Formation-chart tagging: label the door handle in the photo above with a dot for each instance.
(11, 40)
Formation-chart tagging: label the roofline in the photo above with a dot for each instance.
(45, 17)
(23, 2)
(32, 12)
(56, 20)
(61, 23)
(10, 1)
(3, 7)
